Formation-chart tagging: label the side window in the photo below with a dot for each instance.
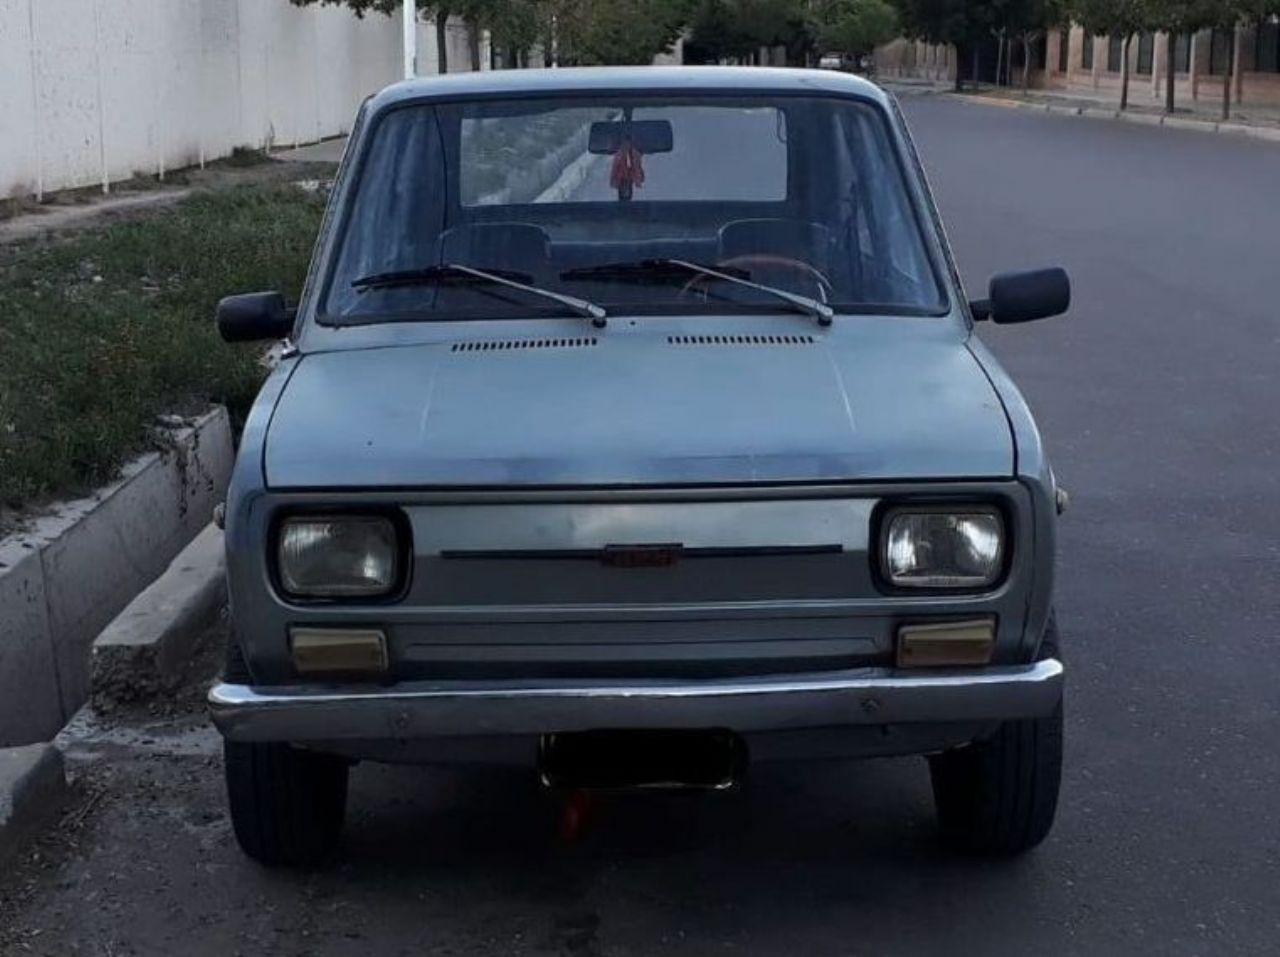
(892, 250)
(853, 230)
(402, 170)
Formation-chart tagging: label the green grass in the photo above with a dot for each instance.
(102, 332)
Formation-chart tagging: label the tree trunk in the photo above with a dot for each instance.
(1226, 78)
(442, 40)
(999, 59)
(473, 44)
(1170, 70)
(1026, 63)
(1124, 73)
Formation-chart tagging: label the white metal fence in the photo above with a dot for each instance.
(95, 91)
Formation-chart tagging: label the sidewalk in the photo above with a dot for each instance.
(1204, 113)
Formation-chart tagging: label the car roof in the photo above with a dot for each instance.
(683, 79)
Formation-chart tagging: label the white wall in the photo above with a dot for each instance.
(97, 90)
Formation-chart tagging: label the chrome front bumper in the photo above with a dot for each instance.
(869, 696)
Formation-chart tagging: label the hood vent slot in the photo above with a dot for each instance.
(506, 345)
(740, 340)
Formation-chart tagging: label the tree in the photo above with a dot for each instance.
(852, 27)
(518, 26)
(737, 29)
(1027, 20)
(961, 23)
(358, 7)
(1122, 18)
(595, 32)
(439, 10)
(1226, 15)
(1176, 17)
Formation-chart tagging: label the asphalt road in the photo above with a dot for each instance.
(1160, 401)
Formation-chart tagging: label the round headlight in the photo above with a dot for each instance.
(944, 549)
(340, 556)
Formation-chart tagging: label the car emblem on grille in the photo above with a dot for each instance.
(641, 556)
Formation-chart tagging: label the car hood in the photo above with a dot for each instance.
(638, 409)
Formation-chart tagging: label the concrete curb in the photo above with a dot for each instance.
(1270, 134)
(144, 650)
(33, 784)
(574, 175)
(63, 579)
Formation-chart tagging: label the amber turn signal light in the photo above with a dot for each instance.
(339, 650)
(946, 644)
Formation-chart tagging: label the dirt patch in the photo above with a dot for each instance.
(61, 214)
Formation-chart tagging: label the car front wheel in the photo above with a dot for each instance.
(287, 804)
(998, 796)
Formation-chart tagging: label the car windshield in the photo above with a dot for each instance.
(625, 202)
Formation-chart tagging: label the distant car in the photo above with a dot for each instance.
(632, 426)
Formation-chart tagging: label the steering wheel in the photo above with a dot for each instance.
(820, 281)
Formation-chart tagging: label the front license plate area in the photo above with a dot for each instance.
(711, 759)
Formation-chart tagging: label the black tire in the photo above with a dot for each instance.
(287, 804)
(998, 796)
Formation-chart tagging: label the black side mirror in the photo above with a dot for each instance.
(254, 315)
(1024, 296)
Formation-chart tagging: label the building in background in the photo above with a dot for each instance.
(1251, 52)
(1067, 59)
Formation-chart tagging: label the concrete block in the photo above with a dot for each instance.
(93, 556)
(1270, 134)
(32, 786)
(1142, 119)
(1182, 123)
(573, 176)
(144, 650)
(119, 543)
(1099, 113)
(30, 705)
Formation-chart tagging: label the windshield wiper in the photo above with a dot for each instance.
(448, 272)
(659, 269)
(819, 310)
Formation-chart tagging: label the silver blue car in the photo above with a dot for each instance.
(632, 426)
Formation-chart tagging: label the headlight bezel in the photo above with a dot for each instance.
(402, 554)
(887, 512)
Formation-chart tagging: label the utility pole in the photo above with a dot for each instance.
(410, 11)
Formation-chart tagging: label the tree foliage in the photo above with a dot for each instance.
(581, 31)
(598, 32)
(957, 22)
(634, 31)
(738, 29)
(853, 27)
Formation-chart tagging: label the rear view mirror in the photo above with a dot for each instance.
(1025, 296)
(648, 136)
(254, 315)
